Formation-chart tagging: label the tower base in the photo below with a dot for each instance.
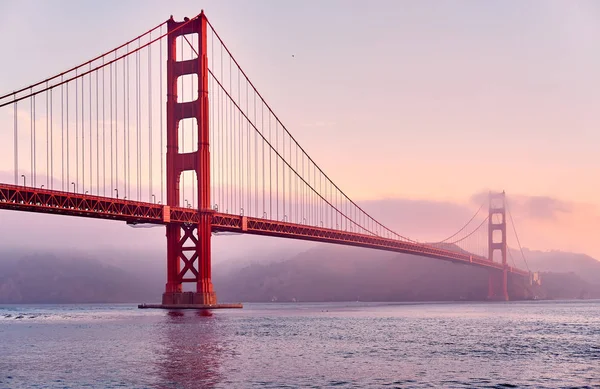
(191, 306)
(497, 286)
(186, 298)
(189, 300)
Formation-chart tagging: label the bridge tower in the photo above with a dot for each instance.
(192, 250)
(498, 280)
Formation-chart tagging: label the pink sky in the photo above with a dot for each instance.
(415, 101)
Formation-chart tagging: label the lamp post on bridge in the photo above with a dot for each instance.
(24, 179)
(74, 190)
(117, 192)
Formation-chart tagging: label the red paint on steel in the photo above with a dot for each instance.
(197, 236)
(22, 198)
(188, 231)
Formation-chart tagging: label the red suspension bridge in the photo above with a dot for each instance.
(96, 141)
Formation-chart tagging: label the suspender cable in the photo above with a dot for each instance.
(162, 159)
(97, 139)
(231, 202)
(90, 129)
(33, 163)
(103, 133)
(47, 144)
(342, 194)
(279, 156)
(139, 154)
(277, 167)
(270, 171)
(128, 126)
(31, 119)
(221, 137)
(256, 164)
(62, 137)
(51, 140)
(239, 154)
(82, 136)
(16, 144)
(246, 162)
(249, 165)
(76, 132)
(283, 182)
(303, 192)
(298, 219)
(517, 236)
(150, 190)
(137, 123)
(290, 183)
(90, 61)
(125, 128)
(112, 187)
(141, 131)
(116, 187)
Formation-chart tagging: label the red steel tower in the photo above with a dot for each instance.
(498, 283)
(192, 250)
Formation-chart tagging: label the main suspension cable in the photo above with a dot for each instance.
(516, 235)
(465, 226)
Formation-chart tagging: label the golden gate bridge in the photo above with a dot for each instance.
(168, 129)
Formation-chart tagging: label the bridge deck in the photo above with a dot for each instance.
(22, 198)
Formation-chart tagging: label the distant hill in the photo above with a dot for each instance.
(582, 265)
(49, 279)
(334, 273)
(566, 286)
(338, 273)
(324, 273)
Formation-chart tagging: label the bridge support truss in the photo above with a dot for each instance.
(192, 250)
(304, 202)
(498, 279)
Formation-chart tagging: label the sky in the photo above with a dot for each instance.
(413, 108)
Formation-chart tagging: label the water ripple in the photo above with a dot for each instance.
(516, 345)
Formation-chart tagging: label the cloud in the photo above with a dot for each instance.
(543, 207)
(531, 207)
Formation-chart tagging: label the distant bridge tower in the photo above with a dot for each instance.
(193, 249)
(498, 282)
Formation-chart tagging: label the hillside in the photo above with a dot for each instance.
(49, 279)
(582, 265)
(337, 273)
(324, 273)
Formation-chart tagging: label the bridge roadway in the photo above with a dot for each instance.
(22, 198)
